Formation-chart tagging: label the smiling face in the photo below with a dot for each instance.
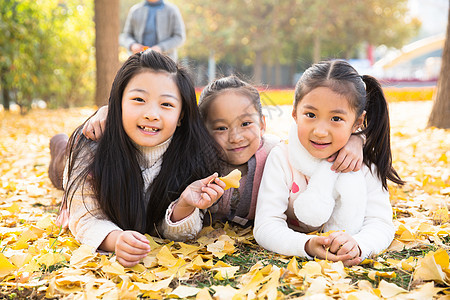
(151, 108)
(235, 124)
(325, 121)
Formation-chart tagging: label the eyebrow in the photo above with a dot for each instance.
(239, 117)
(334, 111)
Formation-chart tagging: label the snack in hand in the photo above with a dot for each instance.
(232, 179)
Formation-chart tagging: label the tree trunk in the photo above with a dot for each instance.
(5, 90)
(106, 47)
(440, 114)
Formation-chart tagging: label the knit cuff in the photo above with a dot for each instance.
(185, 229)
(366, 251)
(95, 239)
(303, 252)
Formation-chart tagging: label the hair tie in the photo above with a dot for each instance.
(362, 79)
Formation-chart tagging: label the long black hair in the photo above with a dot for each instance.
(113, 169)
(364, 93)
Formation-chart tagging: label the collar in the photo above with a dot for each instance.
(150, 155)
(299, 157)
(154, 4)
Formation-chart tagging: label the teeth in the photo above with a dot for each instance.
(149, 129)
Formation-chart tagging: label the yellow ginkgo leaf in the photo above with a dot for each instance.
(50, 259)
(226, 272)
(389, 290)
(14, 208)
(82, 255)
(431, 267)
(165, 257)
(115, 269)
(441, 216)
(5, 266)
(232, 179)
(183, 292)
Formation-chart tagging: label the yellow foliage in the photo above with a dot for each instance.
(37, 254)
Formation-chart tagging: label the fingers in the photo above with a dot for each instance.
(127, 263)
(332, 157)
(131, 247)
(352, 262)
(98, 130)
(338, 240)
(219, 182)
(209, 179)
(89, 130)
(86, 128)
(340, 159)
(358, 166)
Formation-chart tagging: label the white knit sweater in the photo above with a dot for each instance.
(272, 231)
(87, 222)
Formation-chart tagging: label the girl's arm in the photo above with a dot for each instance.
(350, 157)
(90, 226)
(184, 217)
(271, 230)
(95, 126)
(86, 221)
(378, 230)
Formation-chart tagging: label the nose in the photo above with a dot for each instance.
(235, 135)
(151, 113)
(320, 130)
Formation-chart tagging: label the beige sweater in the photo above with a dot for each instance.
(88, 223)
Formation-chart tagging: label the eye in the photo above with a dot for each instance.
(244, 124)
(220, 128)
(167, 104)
(138, 99)
(310, 115)
(336, 119)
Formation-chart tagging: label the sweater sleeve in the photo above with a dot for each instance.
(378, 229)
(86, 220)
(177, 30)
(127, 38)
(271, 230)
(185, 229)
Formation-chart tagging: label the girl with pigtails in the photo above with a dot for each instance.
(299, 194)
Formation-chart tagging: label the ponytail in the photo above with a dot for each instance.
(377, 149)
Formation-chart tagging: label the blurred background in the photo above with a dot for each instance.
(48, 54)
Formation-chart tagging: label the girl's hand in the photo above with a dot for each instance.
(330, 248)
(63, 218)
(344, 244)
(131, 247)
(201, 194)
(350, 157)
(94, 127)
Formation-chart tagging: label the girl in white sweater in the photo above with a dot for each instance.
(154, 152)
(299, 194)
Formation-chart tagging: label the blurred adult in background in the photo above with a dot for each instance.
(155, 24)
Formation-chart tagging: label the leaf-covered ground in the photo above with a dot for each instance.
(38, 260)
